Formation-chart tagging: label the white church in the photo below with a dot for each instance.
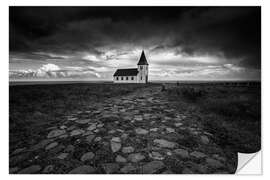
(134, 75)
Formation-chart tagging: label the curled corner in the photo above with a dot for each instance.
(249, 164)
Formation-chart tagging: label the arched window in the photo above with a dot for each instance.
(116, 78)
(132, 78)
(127, 78)
(122, 78)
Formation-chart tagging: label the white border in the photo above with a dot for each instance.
(4, 73)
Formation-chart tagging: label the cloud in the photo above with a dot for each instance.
(54, 71)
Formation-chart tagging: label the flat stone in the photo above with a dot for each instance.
(69, 149)
(136, 157)
(152, 167)
(30, 170)
(76, 132)
(83, 121)
(90, 138)
(71, 128)
(63, 127)
(214, 163)
(197, 154)
(124, 136)
(87, 133)
(141, 131)
(128, 169)
(40, 145)
(92, 127)
(97, 139)
(164, 143)
(138, 118)
(116, 139)
(87, 156)
(187, 171)
(128, 149)
(115, 146)
(110, 168)
(85, 169)
(55, 133)
(156, 155)
(182, 153)
(48, 169)
(112, 132)
(120, 159)
(154, 129)
(178, 124)
(170, 130)
(62, 156)
(204, 139)
(52, 145)
(72, 118)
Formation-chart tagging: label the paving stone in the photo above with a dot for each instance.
(178, 124)
(116, 139)
(52, 145)
(90, 138)
(120, 159)
(115, 146)
(214, 163)
(83, 121)
(69, 149)
(197, 154)
(30, 170)
(141, 131)
(128, 169)
(76, 132)
(110, 168)
(164, 143)
(170, 130)
(187, 171)
(182, 153)
(97, 139)
(85, 169)
(92, 127)
(136, 157)
(154, 129)
(204, 139)
(156, 155)
(152, 167)
(62, 156)
(55, 133)
(87, 156)
(128, 149)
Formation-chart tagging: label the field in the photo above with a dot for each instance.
(165, 124)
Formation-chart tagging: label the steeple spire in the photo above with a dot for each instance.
(142, 60)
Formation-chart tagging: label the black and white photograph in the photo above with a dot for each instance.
(133, 89)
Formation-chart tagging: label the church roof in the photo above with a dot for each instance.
(142, 60)
(126, 72)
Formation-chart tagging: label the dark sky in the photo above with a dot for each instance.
(183, 43)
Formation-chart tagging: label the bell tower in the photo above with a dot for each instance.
(143, 69)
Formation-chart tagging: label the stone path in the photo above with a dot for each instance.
(138, 133)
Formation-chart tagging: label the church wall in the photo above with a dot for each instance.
(124, 79)
(142, 73)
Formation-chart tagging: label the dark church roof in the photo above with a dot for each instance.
(142, 60)
(126, 72)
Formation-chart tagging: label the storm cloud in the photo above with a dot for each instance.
(177, 40)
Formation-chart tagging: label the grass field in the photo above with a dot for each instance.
(231, 113)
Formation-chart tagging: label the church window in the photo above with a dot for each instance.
(122, 78)
(126, 78)
(116, 78)
(141, 77)
(141, 67)
(132, 78)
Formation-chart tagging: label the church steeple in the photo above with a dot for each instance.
(142, 60)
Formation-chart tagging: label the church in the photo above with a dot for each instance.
(133, 75)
